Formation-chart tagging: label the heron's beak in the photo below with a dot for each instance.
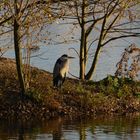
(70, 57)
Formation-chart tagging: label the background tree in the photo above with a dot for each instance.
(25, 19)
(102, 22)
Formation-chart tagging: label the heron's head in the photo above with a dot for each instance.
(65, 56)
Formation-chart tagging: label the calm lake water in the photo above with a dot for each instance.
(100, 128)
(62, 43)
(47, 56)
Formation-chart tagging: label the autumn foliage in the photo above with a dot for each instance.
(129, 65)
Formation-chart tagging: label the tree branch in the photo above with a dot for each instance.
(109, 27)
(77, 14)
(119, 37)
(28, 6)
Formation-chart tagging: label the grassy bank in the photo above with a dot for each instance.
(111, 95)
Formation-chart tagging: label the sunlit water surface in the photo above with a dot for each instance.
(100, 128)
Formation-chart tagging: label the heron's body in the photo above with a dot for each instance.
(60, 70)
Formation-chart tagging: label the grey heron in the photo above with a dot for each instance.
(60, 70)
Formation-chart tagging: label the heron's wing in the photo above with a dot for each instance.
(57, 68)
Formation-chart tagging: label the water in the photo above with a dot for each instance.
(62, 42)
(106, 64)
(100, 128)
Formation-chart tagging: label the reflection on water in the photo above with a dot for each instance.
(99, 128)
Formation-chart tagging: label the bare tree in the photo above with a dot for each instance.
(25, 20)
(17, 46)
(101, 22)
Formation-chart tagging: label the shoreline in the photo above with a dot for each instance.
(109, 96)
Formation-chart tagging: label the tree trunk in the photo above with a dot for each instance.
(93, 66)
(17, 51)
(82, 45)
(82, 55)
(85, 51)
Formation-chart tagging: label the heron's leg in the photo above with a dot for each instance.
(58, 81)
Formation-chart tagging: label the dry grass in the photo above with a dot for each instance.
(111, 95)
